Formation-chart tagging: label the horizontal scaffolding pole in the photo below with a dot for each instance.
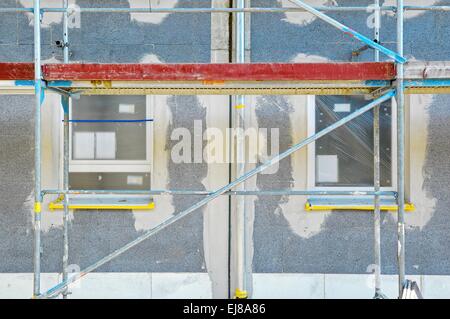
(230, 193)
(227, 10)
(64, 284)
(331, 90)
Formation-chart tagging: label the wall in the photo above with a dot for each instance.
(286, 239)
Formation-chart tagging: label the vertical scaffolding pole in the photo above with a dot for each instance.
(376, 168)
(241, 216)
(66, 32)
(37, 150)
(377, 27)
(400, 150)
(65, 102)
(377, 211)
(65, 263)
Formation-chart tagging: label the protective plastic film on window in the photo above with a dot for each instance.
(345, 156)
(109, 141)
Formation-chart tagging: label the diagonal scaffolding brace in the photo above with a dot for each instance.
(397, 57)
(64, 284)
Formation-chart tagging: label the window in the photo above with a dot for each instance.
(344, 158)
(110, 155)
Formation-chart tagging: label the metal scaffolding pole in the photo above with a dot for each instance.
(377, 208)
(288, 192)
(376, 169)
(239, 125)
(38, 91)
(377, 27)
(65, 264)
(231, 10)
(61, 286)
(66, 107)
(400, 150)
(66, 32)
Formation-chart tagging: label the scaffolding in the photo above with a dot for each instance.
(382, 80)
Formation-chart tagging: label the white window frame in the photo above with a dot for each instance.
(111, 166)
(311, 150)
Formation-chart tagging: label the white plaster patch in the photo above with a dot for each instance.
(301, 57)
(56, 17)
(300, 222)
(303, 18)
(150, 58)
(145, 220)
(49, 17)
(425, 203)
(155, 18)
(140, 4)
(51, 60)
(204, 100)
(303, 224)
(251, 120)
(215, 221)
(53, 219)
(28, 205)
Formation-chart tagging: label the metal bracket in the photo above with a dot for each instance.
(62, 44)
(381, 91)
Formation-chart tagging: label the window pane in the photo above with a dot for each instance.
(109, 141)
(344, 157)
(109, 181)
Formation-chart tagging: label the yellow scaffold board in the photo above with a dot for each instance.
(104, 203)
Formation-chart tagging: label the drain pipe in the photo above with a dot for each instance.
(239, 125)
(400, 150)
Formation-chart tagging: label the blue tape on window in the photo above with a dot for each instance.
(110, 121)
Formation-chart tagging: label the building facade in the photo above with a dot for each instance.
(292, 252)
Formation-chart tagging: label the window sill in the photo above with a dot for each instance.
(359, 204)
(100, 202)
